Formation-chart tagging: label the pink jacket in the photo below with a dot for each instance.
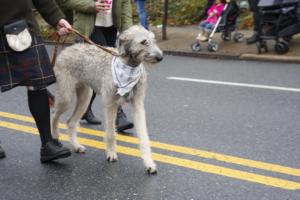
(217, 9)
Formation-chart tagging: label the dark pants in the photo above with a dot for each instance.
(105, 36)
(143, 15)
(254, 8)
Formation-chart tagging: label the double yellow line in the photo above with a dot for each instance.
(195, 165)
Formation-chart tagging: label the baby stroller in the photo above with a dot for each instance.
(280, 20)
(226, 24)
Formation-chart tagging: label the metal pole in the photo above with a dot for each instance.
(165, 20)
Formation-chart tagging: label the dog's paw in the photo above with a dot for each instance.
(151, 167)
(151, 170)
(79, 148)
(111, 157)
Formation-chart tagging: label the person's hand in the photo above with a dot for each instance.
(63, 27)
(103, 5)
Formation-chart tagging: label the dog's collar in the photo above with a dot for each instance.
(125, 77)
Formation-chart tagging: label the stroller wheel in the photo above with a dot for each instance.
(226, 36)
(238, 37)
(196, 47)
(287, 38)
(213, 47)
(281, 47)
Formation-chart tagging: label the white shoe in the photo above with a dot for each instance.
(203, 38)
(200, 35)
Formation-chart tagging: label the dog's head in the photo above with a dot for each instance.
(138, 45)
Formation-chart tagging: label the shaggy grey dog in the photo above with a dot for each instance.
(83, 67)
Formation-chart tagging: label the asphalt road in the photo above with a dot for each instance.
(221, 130)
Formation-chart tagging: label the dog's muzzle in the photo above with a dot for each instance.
(159, 58)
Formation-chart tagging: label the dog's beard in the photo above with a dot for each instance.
(150, 59)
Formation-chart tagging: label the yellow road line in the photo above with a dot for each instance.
(199, 166)
(180, 149)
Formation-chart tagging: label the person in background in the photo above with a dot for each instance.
(254, 8)
(143, 15)
(101, 21)
(206, 26)
(27, 63)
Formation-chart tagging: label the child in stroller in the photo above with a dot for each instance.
(207, 25)
(223, 19)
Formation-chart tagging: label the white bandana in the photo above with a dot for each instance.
(125, 77)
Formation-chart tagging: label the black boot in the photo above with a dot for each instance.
(121, 122)
(2, 153)
(53, 150)
(252, 39)
(90, 117)
(39, 108)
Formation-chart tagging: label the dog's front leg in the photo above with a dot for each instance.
(110, 139)
(139, 118)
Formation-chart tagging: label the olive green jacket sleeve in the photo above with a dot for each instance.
(83, 6)
(84, 14)
(122, 14)
(49, 10)
(126, 17)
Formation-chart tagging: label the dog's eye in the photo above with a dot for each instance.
(144, 42)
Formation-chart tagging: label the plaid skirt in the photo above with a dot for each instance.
(28, 68)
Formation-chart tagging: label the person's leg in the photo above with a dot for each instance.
(97, 37)
(39, 108)
(109, 36)
(2, 153)
(202, 24)
(256, 18)
(122, 123)
(201, 34)
(143, 16)
(256, 21)
(207, 27)
(89, 115)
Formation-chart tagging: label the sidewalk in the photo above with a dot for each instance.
(181, 38)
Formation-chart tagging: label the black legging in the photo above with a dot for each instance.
(39, 108)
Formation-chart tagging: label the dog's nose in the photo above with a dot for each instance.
(159, 58)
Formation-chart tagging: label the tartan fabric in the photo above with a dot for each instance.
(28, 68)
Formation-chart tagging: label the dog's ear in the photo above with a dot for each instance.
(122, 43)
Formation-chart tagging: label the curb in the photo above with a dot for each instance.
(216, 55)
(202, 55)
(270, 58)
(245, 56)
